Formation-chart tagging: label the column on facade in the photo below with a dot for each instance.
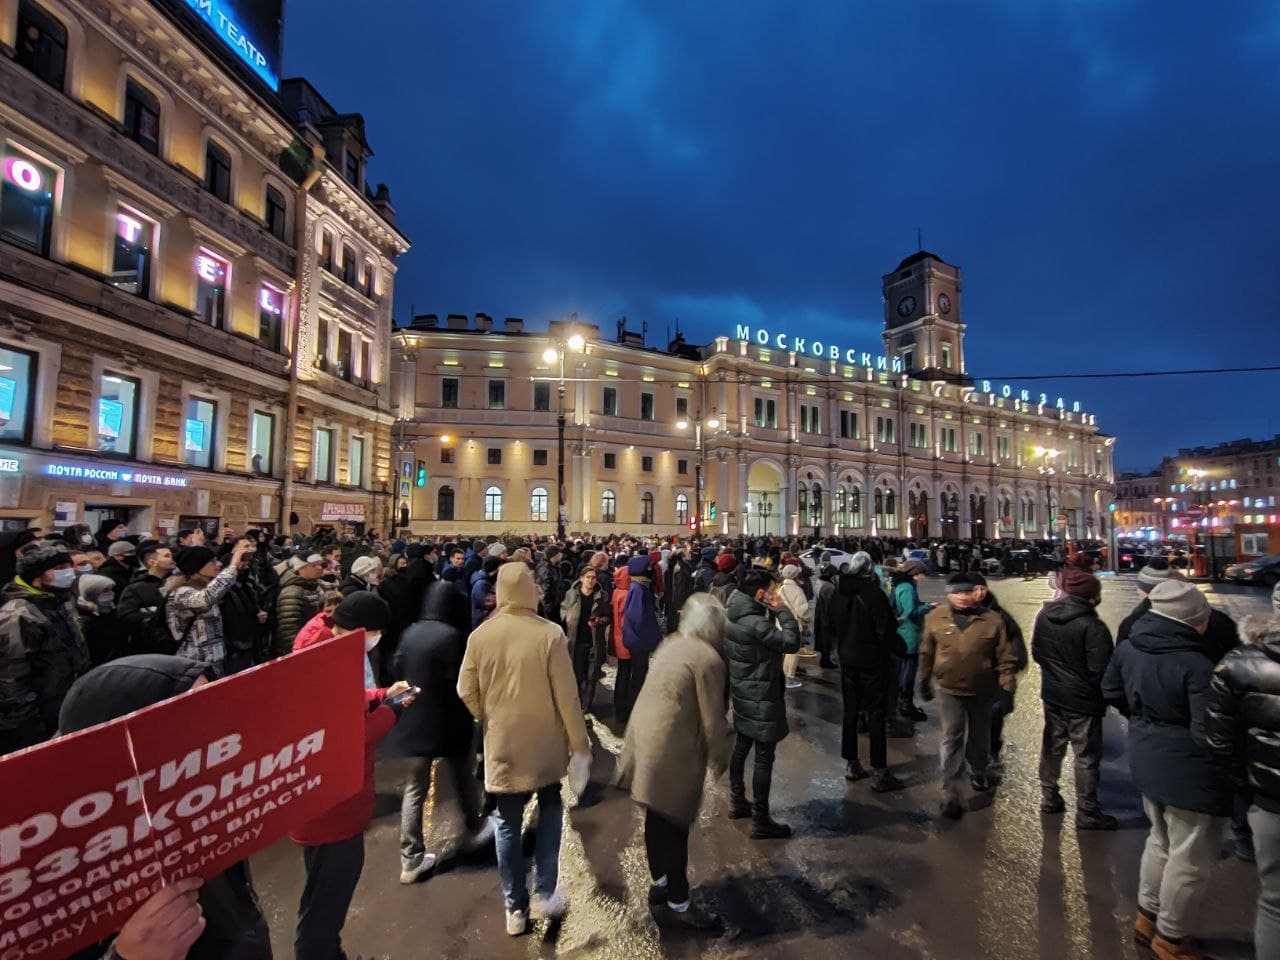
(790, 501)
(793, 412)
(833, 415)
(742, 404)
(829, 497)
(743, 495)
(582, 472)
(722, 400)
(724, 495)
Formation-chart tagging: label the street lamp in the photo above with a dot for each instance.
(574, 343)
(1162, 504)
(1047, 471)
(764, 508)
(713, 423)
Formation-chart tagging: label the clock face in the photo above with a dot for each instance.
(944, 303)
(906, 306)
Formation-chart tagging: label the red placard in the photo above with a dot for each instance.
(93, 823)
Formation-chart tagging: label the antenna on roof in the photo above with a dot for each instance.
(919, 239)
(644, 333)
(677, 326)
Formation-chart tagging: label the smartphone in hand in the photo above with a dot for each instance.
(400, 698)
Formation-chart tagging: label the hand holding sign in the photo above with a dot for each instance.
(165, 927)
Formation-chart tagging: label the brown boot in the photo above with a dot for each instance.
(1144, 928)
(1185, 949)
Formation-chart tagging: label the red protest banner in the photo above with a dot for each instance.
(93, 823)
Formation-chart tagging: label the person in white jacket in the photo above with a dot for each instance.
(798, 604)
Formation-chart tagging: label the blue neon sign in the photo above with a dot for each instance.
(237, 33)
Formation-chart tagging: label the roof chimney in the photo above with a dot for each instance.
(513, 325)
(484, 322)
(456, 321)
(382, 202)
(425, 321)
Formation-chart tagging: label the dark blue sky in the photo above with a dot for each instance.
(1104, 171)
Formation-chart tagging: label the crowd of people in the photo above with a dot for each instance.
(487, 654)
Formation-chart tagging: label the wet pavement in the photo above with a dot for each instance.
(865, 874)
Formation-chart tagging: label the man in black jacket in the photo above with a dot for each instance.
(1073, 647)
(141, 599)
(244, 619)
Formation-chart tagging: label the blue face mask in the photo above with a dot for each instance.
(63, 579)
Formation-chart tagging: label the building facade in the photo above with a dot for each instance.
(788, 435)
(1139, 506)
(195, 280)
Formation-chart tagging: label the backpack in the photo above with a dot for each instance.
(156, 635)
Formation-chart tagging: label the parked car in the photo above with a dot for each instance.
(1261, 570)
(813, 556)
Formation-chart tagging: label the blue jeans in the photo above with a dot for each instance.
(546, 853)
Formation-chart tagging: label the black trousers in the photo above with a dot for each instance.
(761, 776)
(1084, 734)
(631, 677)
(666, 843)
(861, 696)
(997, 730)
(332, 872)
(584, 669)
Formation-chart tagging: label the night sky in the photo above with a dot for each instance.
(1104, 172)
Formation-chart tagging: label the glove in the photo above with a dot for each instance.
(579, 772)
(1005, 702)
(926, 690)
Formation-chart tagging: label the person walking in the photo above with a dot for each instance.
(910, 611)
(968, 662)
(641, 629)
(760, 631)
(678, 731)
(585, 612)
(517, 680)
(1160, 680)
(1073, 648)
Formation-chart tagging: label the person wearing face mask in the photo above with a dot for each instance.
(79, 538)
(103, 632)
(42, 650)
(191, 607)
(138, 606)
(366, 574)
(121, 564)
(110, 532)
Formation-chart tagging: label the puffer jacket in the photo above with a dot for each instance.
(297, 602)
(1073, 647)
(1244, 717)
(756, 640)
(1160, 678)
(621, 586)
(641, 632)
(42, 652)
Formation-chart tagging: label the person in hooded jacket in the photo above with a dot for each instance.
(121, 564)
(139, 606)
(1073, 648)
(1003, 706)
(706, 570)
(641, 630)
(1160, 679)
(726, 579)
(622, 699)
(403, 593)
(585, 611)
(234, 927)
(440, 727)
(679, 584)
(104, 634)
(823, 630)
(109, 532)
(911, 611)
(482, 590)
(244, 618)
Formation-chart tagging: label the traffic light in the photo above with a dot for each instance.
(713, 510)
(693, 523)
(422, 473)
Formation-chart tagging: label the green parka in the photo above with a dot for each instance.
(757, 639)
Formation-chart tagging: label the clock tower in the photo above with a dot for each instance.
(922, 317)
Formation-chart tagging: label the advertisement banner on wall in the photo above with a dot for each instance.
(342, 512)
(94, 823)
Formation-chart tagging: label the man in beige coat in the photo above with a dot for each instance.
(678, 730)
(517, 681)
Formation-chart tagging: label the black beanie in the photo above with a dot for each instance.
(362, 609)
(191, 560)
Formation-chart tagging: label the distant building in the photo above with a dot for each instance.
(1138, 511)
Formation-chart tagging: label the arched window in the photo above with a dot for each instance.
(839, 505)
(369, 276)
(348, 265)
(276, 213)
(879, 503)
(815, 505)
(802, 500)
(326, 250)
(886, 508)
(444, 504)
(682, 509)
(538, 505)
(41, 44)
(217, 171)
(141, 116)
(608, 507)
(646, 509)
(855, 506)
(493, 503)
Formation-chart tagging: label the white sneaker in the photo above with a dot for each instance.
(484, 836)
(420, 871)
(792, 683)
(549, 908)
(516, 922)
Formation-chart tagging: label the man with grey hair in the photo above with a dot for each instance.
(1156, 572)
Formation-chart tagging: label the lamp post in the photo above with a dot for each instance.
(1047, 471)
(574, 343)
(1161, 505)
(713, 423)
(764, 508)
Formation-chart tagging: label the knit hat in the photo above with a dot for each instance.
(726, 563)
(861, 562)
(191, 560)
(491, 564)
(963, 582)
(362, 609)
(1078, 582)
(91, 584)
(638, 566)
(121, 548)
(298, 562)
(790, 571)
(708, 554)
(911, 568)
(363, 566)
(1181, 601)
(498, 549)
(40, 557)
(478, 545)
(413, 551)
(1157, 571)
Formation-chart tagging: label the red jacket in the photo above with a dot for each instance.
(621, 583)
(316, 630)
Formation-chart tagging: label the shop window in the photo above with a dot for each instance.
(646, 508)
(26, 202)
(348, 265)
(493, 504)
(538, 505)
(646, 406)
(211, 288)
(610, 401)
(17, 393)
(198, 432)
(40, 44)
(217, 171)
(539, 458)
(277, 213)
(355, 467)
(343, 368)
(609, 507)
(449, 392)
(682, 509)
(542, 396)
(270, 316)
(262, 442)
(444, 504)
(117, 414)
(322, 456)
(131, 255)
(142, 116)
(494, 456)
(497, 394)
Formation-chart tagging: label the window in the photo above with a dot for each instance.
(117, 414)
(211, 288)
(766, 413)
(262, 442)
(493, 504)
(918, 434)
(322, 344)
(355, 465)
(131, 254)
(17, 388)
(217, 172)
(493, 456)
(444, 504)
(848, 425)
(538, 505)
(323, 457)
(682, 408)
(803, 492)
(646, 406)
(270, 316)
(886, 508)
(884, 430)
(909, 359)
(976, 444)
(610, 401)
(326, 250)
(816, 505)
(608, 507)
(646, 508)
(345, 347)
(542, 396)
(682, 509)
(539, 458)
(41, 44)
(610, 461)
(277, 213)
(1253, 544)
(646, 464)
(948, 437)
(352, 167)
(449, 392)
(682, 467)
(446, 454)
(946, 356)
(141, 116)
(26, 201)
(348, 265)
(497, 394)
(368, 283)
(1002, 448)
(198, 430)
